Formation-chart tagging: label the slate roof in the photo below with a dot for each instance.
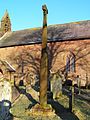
(59, 32)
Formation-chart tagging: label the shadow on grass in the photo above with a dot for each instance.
(84, 106)
(82, 101)
(22, 90)
(62, 112)
(84, 98)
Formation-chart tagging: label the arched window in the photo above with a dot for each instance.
(70, 63)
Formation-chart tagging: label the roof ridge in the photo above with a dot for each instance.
(75, 22)
(52, 25)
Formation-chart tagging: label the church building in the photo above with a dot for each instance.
(68, 50)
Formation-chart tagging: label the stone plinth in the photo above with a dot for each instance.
(39, 110)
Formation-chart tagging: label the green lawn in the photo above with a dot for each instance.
(61, 105)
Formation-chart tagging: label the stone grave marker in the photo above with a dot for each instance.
(56, 85)
(5, 98)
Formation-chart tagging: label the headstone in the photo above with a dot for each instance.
(56, 85)
(5, 98)
(5, 90)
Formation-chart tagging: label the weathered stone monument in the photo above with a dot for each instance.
(5, 98)
(56, 85)
(43, 109)
(44, 61)
(5, 90)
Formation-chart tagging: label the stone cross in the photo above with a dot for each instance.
(44, 61)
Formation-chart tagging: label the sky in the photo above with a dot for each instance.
(26, 14)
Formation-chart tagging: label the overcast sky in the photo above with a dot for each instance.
(28, 13)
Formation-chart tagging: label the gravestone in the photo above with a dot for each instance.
(56, 85)
(5, 90)
(5, 98)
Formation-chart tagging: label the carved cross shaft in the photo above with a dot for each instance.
(44, 61)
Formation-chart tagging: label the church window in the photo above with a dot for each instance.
(70, 63)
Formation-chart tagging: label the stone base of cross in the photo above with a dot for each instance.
(39, 110)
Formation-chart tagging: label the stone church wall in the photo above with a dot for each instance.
(26, 59)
